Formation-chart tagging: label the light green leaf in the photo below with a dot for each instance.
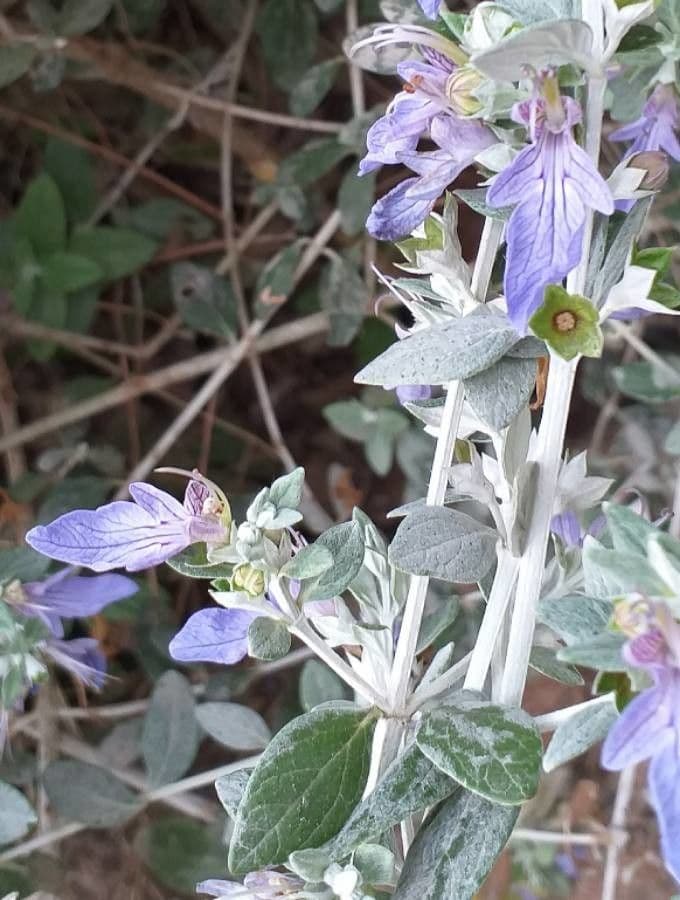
(345, 542)
(268, 639)
(355, 199)
(629, 531)
(40, 216)
(443, 543)
(446, 860)
(456, 349)
(84, 793)
(609, 573)
(579, 733)
(575, 618)
(230, 789)
(170, 736)
(15, 61)
(286, 491)
(600, 652)
(310, 777)
(233, 725)
(193, 562)
(117, 251)
(345, 298)
(319, 684)
(545, 661)
(16, 815)
(309, 562)
(491, 750)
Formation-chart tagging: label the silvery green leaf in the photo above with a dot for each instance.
(382, 58)
(609, 573)
(345, 299)
(308, 781)
(355, 198)
(499, 393)
(193, 562)
(529, 347)
(434, 623)
(268, 639)
(516, 444)
(313, 87)
(234, 726)
(15, 61)
(475, 198)
(575, 618)
(230, 789)
(84, 793)
(579, 732)
(286, 491)
(545, 661)
(648, 382)
(629, 531)
(346, 545)
(541, 46)
(444, 861)
(309, 562)
(22, 564)
(530, 11)
(375, 863)
(619, 250)
(16, 815)
(319, 684)
(170, 736)
(350, 418)
(428, 411)
(441, 662)
(443, 352)
(443, 543)
(601, 652)
(491, 750)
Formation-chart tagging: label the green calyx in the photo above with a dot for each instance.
(568, 323)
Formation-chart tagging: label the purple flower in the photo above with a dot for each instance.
(136, 535)
(67, 596)
(408, 393)
(263, 885)
(656, 128)
(568, 528)
(411, 112)
(430, 7)
(552, 184)
(407, 205)
(79, 656)
(649, 727)
(214, 635)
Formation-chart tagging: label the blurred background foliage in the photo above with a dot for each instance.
(185, 280)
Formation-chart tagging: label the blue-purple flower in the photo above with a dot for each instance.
(407, 205)
(135, 535)
(657, 126)
(551, 183)
(411, 393)
(214, 635)
(262, 885)
(430, 7)
(649, 727)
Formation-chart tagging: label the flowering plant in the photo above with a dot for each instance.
(389, 792)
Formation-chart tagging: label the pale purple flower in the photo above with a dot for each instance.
(411, 112)
(79, 656)
(68, 596)
(657, 126)
(552, 183)
(214, 635)
(135, 535)
(263, 885)
(649, 727)
(410, 393)
(408, 205)
(430, 7)
(568, 528)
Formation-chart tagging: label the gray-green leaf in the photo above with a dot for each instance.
(84, 793)
(345, 542)
(500, 392)
(233, 725)
(16, 814)
(268, 639)
(579, 733)
(170, 736)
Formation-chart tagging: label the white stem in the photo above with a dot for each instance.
(499, 599)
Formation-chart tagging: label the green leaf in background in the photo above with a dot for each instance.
(84, 793)
(310, 778)
(66, 273)
(117, 251)
(170, 737)
(16, 815)
(579, 733)
(181, 852)
(276, 281)
(319, 684)
(345, 542)
(74, 492)
(545, 661)
(40, 217)
(313, 87)
(234, 726)
(163, 217)
(311, 162)
(23, 564)
(268, 639)
(78, 17)
(15, 61)
(355, 199)
(444, 861)
(72, 170)
(629, 531)
(648, 382)
(230, 789)
(288, 31)
(204, 300)
(344, 296)
(443, 543)
(492, 750)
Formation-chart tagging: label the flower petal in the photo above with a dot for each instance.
(213, 635)
(79, 596)
(430, 7)
(399, 212)
(161, 505)
(81, 657)
(643, 726)
(664, 788)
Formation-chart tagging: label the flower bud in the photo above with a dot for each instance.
(460, 88)
(657, 166)
(248, 579)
